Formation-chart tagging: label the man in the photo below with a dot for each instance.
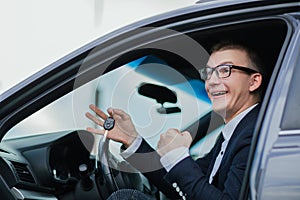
(233, 81)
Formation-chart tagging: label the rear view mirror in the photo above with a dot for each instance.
(162, 95)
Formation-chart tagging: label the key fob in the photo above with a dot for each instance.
(109, 123)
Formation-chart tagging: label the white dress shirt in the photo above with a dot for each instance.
(132, 148)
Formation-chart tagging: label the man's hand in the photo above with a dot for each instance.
(123, 131)
(173, 139)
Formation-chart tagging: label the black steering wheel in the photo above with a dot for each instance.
(112, 174)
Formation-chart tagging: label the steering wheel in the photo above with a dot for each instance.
(113, 174)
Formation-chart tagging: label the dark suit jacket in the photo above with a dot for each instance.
(192, 176)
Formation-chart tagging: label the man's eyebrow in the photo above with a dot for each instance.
(222, 63)
(226, 62)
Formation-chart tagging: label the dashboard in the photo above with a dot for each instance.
(45, 166)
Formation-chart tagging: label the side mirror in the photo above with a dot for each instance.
(162, 95)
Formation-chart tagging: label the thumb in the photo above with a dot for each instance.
(110, 111)
(187, 135)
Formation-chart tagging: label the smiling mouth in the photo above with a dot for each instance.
(216, 94)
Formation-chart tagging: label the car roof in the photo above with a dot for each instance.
(208, 7)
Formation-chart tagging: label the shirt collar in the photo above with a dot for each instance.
(230, 126)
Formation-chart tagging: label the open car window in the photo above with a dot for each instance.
(156, 96)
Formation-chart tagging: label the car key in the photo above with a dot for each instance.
(108, 125)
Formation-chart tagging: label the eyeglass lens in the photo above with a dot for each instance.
(222, 71)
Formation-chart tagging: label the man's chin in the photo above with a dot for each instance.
(220, 111)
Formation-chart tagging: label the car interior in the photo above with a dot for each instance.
(50, 154)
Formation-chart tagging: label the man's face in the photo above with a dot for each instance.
(231, 95)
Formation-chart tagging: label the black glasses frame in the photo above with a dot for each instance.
(206, 76)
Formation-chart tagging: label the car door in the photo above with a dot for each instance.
(275, 172)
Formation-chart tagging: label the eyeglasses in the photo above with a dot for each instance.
(223, 71)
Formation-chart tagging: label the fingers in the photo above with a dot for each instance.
(176, 131)
(99, 112)
(173, 131)
(94, 119)
(95, 131)
(117, 113)
(174, 135)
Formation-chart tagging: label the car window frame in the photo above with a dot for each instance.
(290, 120)
(270, 122)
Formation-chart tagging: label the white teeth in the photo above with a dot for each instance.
(218, 93)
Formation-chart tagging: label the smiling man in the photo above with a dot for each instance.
(234, 85)
(233, 81)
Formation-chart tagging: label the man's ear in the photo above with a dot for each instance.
(255, 82)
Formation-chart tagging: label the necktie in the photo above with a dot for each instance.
(213, 176)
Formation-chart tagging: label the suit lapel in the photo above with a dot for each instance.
(239, 135)
(236, 139)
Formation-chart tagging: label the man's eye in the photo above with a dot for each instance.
(224, 70)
